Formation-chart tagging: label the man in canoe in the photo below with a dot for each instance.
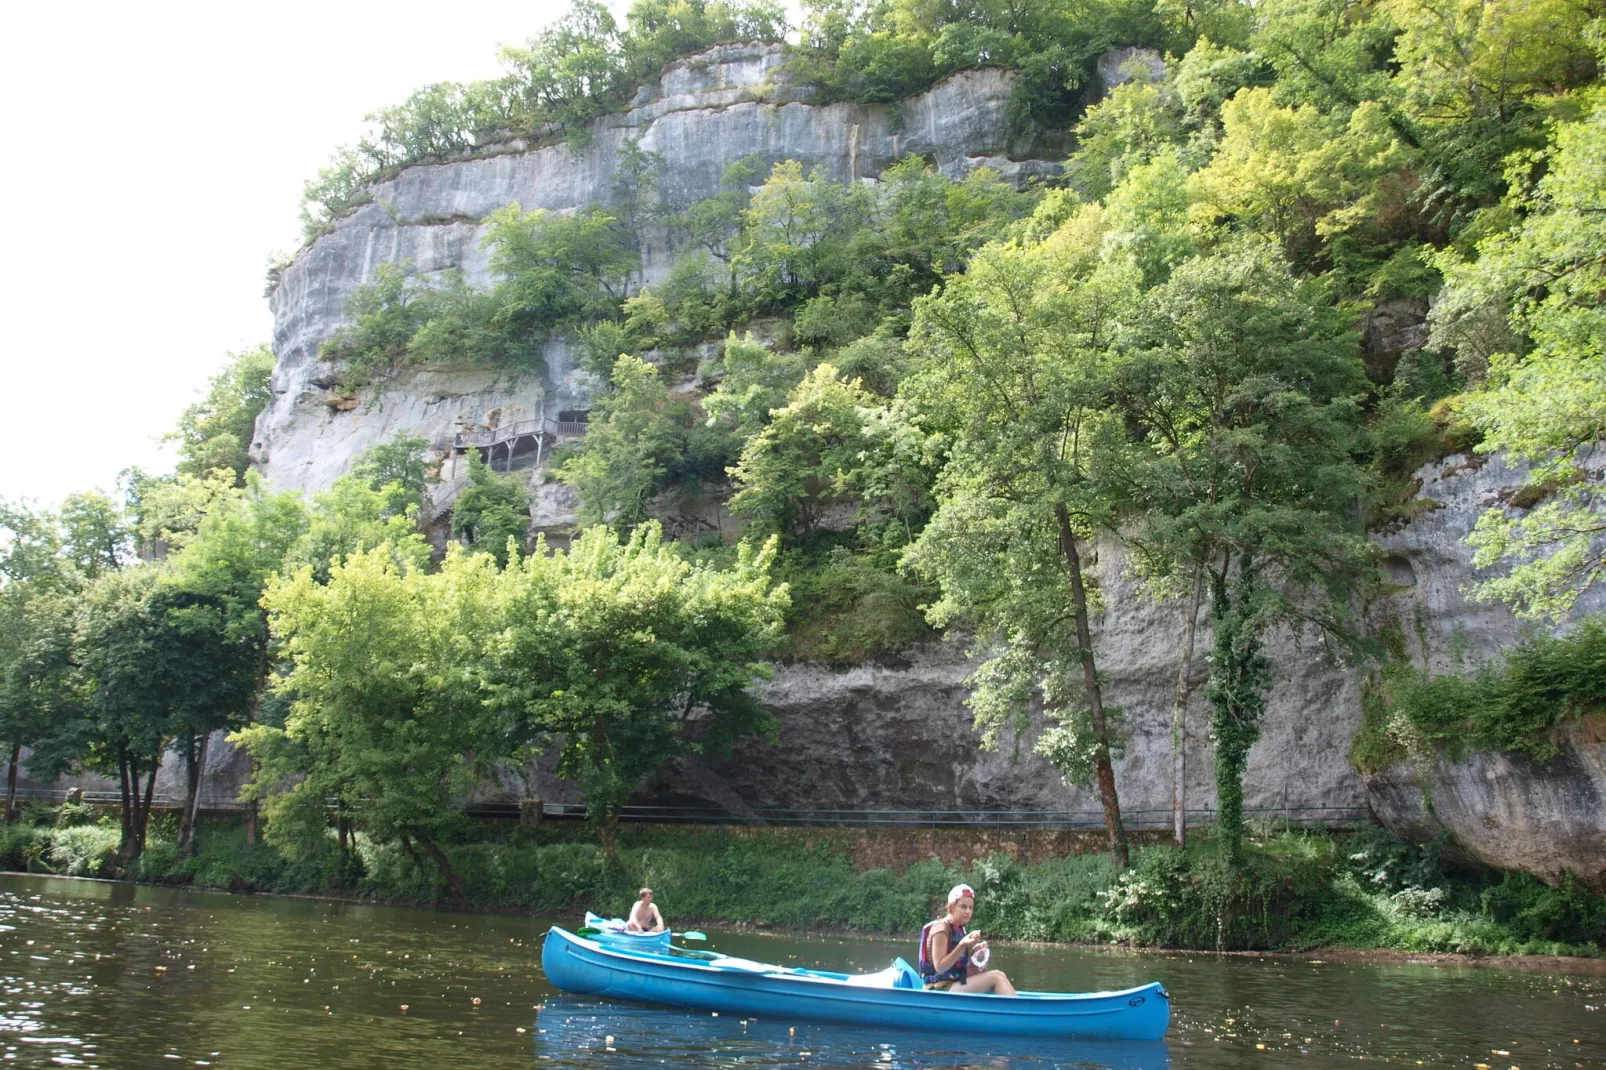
(644, 916)
(947, 951)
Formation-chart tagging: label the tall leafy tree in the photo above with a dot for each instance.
(493, 509)
(215, 432)
(137, 648)
(385, 665)
(623, 654)
(217, 582)
(37, 681)
(1015, 367)
(1244, 381)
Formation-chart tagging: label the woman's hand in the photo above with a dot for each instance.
(971, 939)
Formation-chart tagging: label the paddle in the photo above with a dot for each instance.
(693, 934)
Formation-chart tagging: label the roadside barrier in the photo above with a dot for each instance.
(1293, 816)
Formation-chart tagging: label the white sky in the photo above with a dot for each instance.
(153, 160)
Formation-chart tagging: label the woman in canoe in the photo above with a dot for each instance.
(947, 950)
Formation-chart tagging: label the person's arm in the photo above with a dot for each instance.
(658, 920)
(942, 956)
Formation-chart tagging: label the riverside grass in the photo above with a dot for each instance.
(1297, 890)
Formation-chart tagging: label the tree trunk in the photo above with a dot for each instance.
(11, 783)
(144, 812)
(127, 769)
(1095, 695)
(444, 864)
(1179, 717)
(1239, 678)
(195, 757)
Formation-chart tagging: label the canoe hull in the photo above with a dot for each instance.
(612, 931)
(584, 967)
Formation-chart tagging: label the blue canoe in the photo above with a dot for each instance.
(613, 931)
(892, 997)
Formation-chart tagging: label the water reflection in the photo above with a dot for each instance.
(575, 1032)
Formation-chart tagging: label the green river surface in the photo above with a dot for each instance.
(115, 975)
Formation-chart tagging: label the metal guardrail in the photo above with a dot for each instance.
(1019, 819)
(1329, 816)
(161, 800)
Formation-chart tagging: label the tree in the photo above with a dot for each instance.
(37, 682)
(807, 457)
(385, 664)
(216, 585)
(625, 654)
(622, 461)
(492, 510)
(1546, 399)
(1014, 370)
(558, 271)
(216, 431)
(753, 382)
(1243, 382)
(135, 649)
(96, 536)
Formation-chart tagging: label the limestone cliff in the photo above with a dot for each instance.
(704, 113)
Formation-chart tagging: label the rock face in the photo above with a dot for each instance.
(1507, 811)
(701, 115)
(900, 736)
(1545, 818)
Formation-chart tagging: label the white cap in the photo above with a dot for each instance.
(958, 892)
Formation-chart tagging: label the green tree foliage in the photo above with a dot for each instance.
(1244, 380)
(403, 681)
(219, 578)
(830, 444)
(640, 439)
(1545, 404)
(386, 703)
(492, 511)
(624, 654)
(216, 431)
(37, 604)
(96, 536)
(754, 381)
(144, 652)
(400, 320)
(1015, 367)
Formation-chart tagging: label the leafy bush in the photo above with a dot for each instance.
(83, 850)
(1509, 705)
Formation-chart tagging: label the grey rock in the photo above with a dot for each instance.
(1131, 64)
(703, 114)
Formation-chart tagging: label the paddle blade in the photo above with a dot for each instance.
(586, 930)
(693, 934)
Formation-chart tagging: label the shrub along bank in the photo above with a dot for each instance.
(1298, 890)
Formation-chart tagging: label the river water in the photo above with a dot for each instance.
(112, 975)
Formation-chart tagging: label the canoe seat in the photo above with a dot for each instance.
(887, 978)
(908, 976)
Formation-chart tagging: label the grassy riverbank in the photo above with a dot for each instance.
(1300, 891)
